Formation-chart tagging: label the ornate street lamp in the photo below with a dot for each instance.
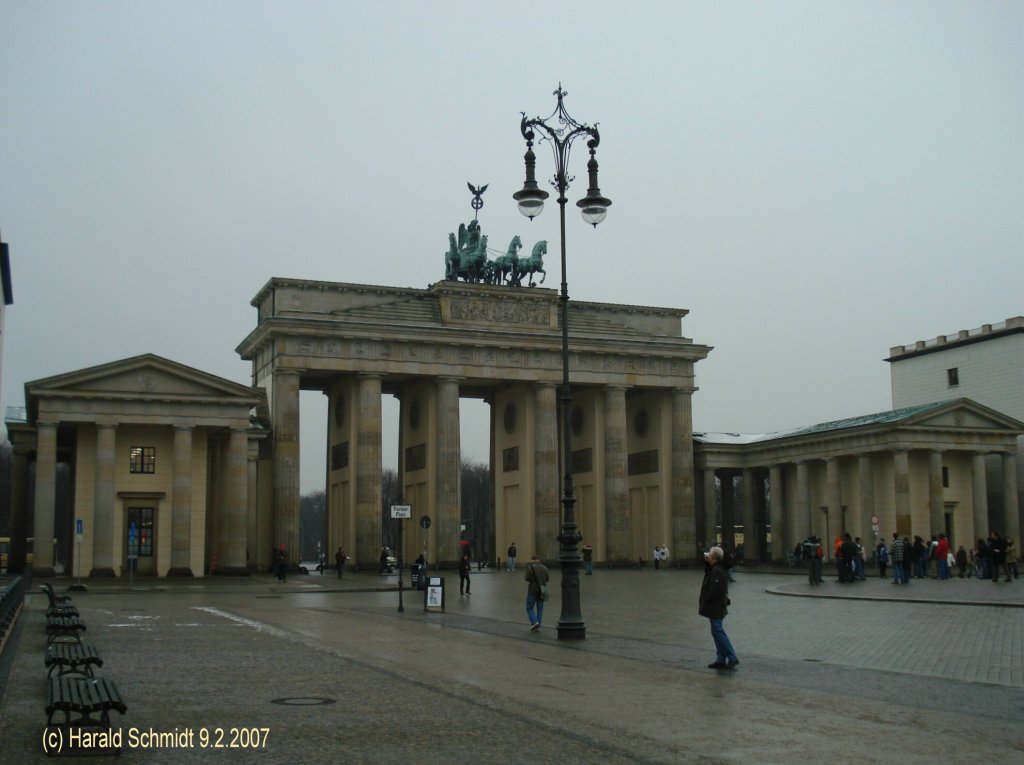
(593, 207)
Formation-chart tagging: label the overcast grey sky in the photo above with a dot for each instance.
(815, 181)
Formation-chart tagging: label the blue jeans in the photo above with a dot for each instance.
(723, 648)
(534, 608)
(943, 569)
(899, 575)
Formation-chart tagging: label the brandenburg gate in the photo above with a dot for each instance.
(632, 373)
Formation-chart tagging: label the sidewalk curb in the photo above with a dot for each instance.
(778, 590)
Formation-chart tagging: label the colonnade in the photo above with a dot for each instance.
(870, 495)
(104, 517)
(634, 489)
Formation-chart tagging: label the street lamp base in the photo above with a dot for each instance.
(572, 630)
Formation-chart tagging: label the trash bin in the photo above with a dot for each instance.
(419, 576)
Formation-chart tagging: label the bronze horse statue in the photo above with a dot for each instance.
(531, 265)
(505, 265)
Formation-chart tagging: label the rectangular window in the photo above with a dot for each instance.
(945, 478)
(143, 459)
(953, 377)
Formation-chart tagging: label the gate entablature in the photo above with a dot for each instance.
(471, 331)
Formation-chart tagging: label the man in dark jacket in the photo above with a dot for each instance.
(537, 578)
(714, 597)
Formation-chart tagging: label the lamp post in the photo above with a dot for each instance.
(593, 207)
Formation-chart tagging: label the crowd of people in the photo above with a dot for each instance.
(988, 559)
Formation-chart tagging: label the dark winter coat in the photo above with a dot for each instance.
(714, 593)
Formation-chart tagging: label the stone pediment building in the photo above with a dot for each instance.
(162, 465)
(177, 472)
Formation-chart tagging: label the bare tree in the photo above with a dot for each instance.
(477, 509)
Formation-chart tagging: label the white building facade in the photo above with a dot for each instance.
(986, 365)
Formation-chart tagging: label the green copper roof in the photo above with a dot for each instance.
(881, 418)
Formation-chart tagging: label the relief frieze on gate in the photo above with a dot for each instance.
(518, 314)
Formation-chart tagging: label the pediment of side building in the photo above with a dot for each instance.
(964, 414)
(146, 376)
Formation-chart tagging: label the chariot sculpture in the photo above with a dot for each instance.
(467, 259)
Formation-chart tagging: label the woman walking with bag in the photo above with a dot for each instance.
(537, 578)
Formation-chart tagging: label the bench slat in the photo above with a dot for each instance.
(82, 697)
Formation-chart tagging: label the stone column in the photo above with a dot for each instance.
(729, 510)
(447, 488)
(753, 525)
(253, 521)
(683, 501)
(181, 505)
(616, 513)
(46, 496)
(548, 510)
(979, 496)
(936, 500)
(1011, 508)
(866, 490)
(802, 504)
(285, 421)
(836, 523)
(710, 507)
(104, 545)
(235, 506)
(783, 538)
(368, 466)
(901, 487)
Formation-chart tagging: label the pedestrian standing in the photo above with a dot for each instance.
(998, 547)
(280, 563)
(961, 560)
(942, 556)
(339, 561)
(511, 563)
(882, 557)
(713, 605)
(896, 552)
(858, 561)
(588, 559)
(848, 556)
(812, 554)
(464, 568)
(1011, 560)
(537, 578)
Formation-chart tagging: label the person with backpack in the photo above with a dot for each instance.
(882, 557)
(537, 578)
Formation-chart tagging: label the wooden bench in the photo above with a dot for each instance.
(59, 604)
(54, 597)
(84, 703)
(72, 659)
(64, 629)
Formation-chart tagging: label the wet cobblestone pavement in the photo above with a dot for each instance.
(334, 672)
